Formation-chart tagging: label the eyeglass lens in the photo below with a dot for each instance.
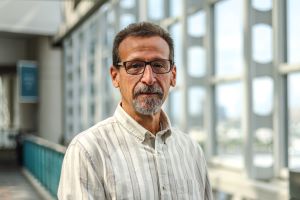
(138, 67)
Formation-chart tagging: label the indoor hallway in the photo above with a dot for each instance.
(13, 184)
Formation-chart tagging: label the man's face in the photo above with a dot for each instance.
(143, 93)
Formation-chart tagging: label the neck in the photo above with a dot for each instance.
(149, 122)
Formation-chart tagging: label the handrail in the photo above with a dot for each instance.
(43, 159)
(43, 142)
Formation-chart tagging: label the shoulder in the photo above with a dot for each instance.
(91, 139)
(186, 141)
(94, 131)
(180, 135)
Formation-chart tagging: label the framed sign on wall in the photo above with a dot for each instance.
(28, 80)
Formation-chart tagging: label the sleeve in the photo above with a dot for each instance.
(78, 179)
(207, 190)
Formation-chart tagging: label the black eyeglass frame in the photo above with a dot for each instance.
(123, 64)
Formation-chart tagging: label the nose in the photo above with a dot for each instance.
(148, 76)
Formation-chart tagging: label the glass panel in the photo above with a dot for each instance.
(70, 77)
(175, 7)
(113, 94)
(293, 17)
(127, 3)
(70, 94)
(175, 32)
(109, 39)
(91, 113)
(262, 43)
(294, 119)
(176, 97)
(111, 17)
(126, 19)
(264, 5)
(196, 102)
(229, 37)
(263, 142)
(70, 111)
(229, 108)
(196, 24)
(155, 9)
(196, 61)
(263, 89)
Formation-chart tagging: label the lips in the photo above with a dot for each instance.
(149, 94)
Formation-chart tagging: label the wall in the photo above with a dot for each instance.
(50, 121)
(12, 50)
(44, 117)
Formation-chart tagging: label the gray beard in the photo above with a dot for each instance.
(148, 107)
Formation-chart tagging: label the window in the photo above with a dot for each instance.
(196, 24)
(294, 120)
(176, 33)
(175, 8)
(126, 19)
(229, 110)
(229, 37)
(176, 96)
(262, 43)
(155, 9)
(263, 96)
(126, 4)
(264, 5)
(293, 16)
(196, 61)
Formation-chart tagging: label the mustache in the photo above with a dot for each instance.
(154, 89)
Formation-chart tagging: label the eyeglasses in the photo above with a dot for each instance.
(136, 67)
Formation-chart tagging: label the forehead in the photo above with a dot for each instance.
(143, 46)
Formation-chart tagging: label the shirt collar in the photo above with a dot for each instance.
(139, 131)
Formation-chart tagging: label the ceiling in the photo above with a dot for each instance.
(36, 17)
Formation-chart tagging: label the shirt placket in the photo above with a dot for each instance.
(162, 171)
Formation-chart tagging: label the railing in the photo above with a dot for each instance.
(43, 160)
(7, 138)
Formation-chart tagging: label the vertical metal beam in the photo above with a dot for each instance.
(184, 39)
(167, 8)
(99, 64)
(279, 22)
(210, 108)
(75, 84)
(142, 6)
(65, 119)
(247, 121)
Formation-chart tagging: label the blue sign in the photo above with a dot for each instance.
(28, 77)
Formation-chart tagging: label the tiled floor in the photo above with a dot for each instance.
(13, 185)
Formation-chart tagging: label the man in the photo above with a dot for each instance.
(136, 154)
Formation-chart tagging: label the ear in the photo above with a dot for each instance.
(115, 76)
(173, 76)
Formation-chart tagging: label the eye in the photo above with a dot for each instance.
(158, 64)
(135, 64)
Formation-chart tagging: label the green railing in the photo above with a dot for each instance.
(43, 160)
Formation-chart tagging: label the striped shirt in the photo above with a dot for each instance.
(119, 159)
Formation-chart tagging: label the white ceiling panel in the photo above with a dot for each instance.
(30, 16)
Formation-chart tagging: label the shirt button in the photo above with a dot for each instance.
(164, 188)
